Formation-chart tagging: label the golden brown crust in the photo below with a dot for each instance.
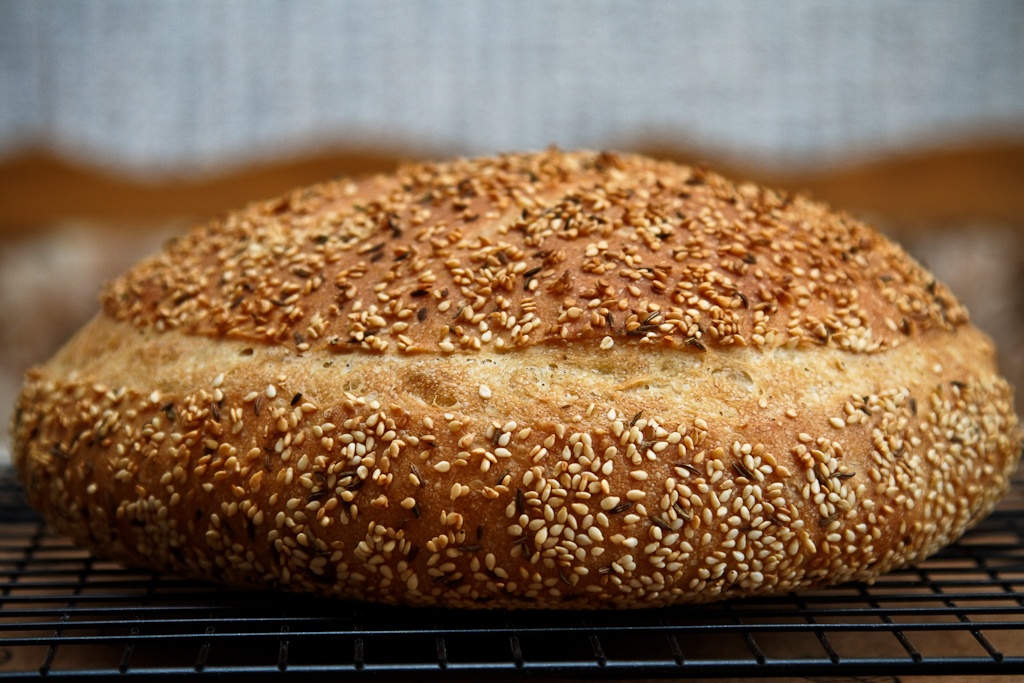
(693, 449)
(504, 253)
(549, 478)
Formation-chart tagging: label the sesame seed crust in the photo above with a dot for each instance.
(584, 480)
(537, 381)
(496, 254)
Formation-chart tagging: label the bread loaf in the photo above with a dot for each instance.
(545, 380)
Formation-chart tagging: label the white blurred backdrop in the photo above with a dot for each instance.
(196, 85)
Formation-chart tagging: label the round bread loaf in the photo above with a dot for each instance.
(546, 380)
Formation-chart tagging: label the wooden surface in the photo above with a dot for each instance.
(958, 184)
(38, 190)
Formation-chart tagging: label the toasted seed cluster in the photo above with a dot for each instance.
(496, 254)
(551, 380)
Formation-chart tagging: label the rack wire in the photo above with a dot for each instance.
(65, 613)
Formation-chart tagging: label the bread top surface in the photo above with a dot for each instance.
(547, 248)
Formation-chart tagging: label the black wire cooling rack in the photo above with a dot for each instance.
(66, 613)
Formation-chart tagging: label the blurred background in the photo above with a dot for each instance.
(124, 122)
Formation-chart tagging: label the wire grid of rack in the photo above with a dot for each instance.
(66, 613)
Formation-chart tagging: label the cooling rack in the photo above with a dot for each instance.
(65, 613)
